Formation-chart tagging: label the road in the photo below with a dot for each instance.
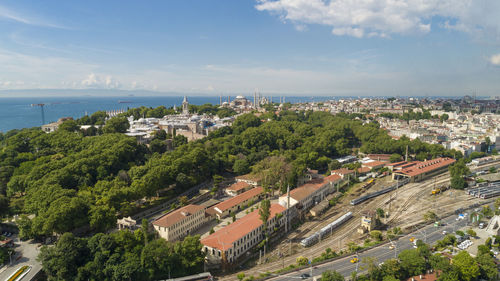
(428, 234)
(26, 253)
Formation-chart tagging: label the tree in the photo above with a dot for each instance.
(488, 269)
(69, 125)
(459, 168)
(183, 200)
(240, 276)
(380, 213)
(471, 232)
(265, 213)
(62, 261)
(395, 157)
(157, 145)
(430, 216)
(411, 262)
(245, 121)
(444, 117)
(492, 170)
(241, 166)
(116, 125)
(466, 265)
(301, 261)
(179, 140)
(458, 182)
(334, 165)
(331, 275)
(376, 234)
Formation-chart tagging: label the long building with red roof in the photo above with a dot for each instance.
(229, 206)
(226, 245)
(306, 195)
(423, 170)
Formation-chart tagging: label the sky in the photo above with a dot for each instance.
(304, 47)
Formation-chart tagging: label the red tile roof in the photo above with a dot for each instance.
(374, 164)
(427, 166)
(249, 177)
(364, 170)
(222, 206)
(333, 178)
(238, 186)
(224, 238)
(385, 157)
(343, 171)
(308, 188)
(395, 164)
(178, 215)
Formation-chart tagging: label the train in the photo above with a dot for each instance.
(375, 194)
(313, 239)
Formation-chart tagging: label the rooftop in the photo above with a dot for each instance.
(178, 215)
(224, 238)
(427, 166)
(249, 177)
(374, 163)
(343, 171)
(222, 206)
(238, 186)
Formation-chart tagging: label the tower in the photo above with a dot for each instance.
(185, 106)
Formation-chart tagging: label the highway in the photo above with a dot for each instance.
(429, 234)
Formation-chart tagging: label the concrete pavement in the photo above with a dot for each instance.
(26, 254)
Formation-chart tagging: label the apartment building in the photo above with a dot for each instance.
(235, 204)
(309, 194)
(226, 245)
(180, 223)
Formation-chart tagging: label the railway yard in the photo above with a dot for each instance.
(405, 207)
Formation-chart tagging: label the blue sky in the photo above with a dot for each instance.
(315, 47)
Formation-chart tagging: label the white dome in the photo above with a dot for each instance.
(240, 97)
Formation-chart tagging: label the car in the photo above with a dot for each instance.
(354, 260)
(9, 234)
(481, 225)
(391, 247)
(444, 232)
(305, 275)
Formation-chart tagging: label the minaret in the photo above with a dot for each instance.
(185, 106)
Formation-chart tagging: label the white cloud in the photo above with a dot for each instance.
(495, 60)
(360, 18)
(95, 81)
(8, 14)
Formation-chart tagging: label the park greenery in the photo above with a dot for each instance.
(121, 255)
(69, 180)
(75, 181)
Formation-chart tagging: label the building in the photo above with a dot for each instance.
(52, 127)
(180, 223)
(343, 173)
(367, 222)
(238, 202)
(250, 179)
(380, 157)
(238, 188)
(307, 195)
(374, 165)
(227, 244)
(424, 170)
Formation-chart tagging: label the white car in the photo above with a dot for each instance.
(444, 232)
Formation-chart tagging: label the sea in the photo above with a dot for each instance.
(18, 113)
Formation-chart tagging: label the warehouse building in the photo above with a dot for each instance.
(423, 170)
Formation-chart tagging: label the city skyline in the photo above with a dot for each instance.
(289, 47)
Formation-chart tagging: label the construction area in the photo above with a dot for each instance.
(404, 207)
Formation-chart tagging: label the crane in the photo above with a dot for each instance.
(41, 105)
